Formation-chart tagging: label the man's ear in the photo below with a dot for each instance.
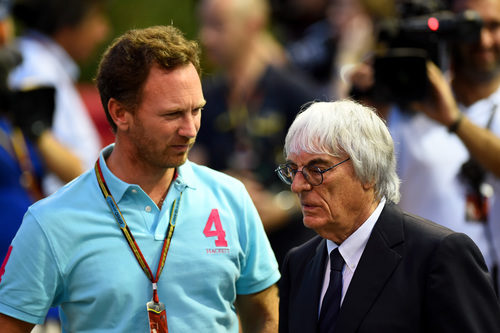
(120, 114)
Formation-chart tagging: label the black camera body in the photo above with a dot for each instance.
(404, 45)
(31, 109)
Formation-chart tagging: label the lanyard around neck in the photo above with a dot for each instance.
(113, 206)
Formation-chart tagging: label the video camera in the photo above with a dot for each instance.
(31, 109)
(404, 45)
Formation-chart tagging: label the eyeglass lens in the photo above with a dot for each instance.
(310, 173)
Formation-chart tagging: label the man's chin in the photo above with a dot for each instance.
(177, 161)
(182, 160)
(312, 222)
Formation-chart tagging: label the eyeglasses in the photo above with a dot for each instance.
(312, 174)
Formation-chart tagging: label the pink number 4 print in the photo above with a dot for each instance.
(214, 221)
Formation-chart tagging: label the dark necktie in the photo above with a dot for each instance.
(331, 301)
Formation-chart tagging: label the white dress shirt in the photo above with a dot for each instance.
(351, 250)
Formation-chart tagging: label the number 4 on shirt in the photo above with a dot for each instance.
(214, 221)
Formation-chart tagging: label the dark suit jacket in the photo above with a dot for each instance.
(413, 276)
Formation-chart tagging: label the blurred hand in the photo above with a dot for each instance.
(441, 104)
(361, 76)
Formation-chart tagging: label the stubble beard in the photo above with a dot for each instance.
(150, 151)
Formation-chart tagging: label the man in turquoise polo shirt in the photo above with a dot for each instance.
(146, 239)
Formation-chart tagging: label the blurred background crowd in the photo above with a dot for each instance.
(262, 61)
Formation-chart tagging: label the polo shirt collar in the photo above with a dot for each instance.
(185, 176)
(118, 188)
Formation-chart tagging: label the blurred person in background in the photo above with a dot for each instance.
(303, 27)
(351, 23)
(323, 38)
(28, 149)
(448, 143)
(56, 36)
(251, 99)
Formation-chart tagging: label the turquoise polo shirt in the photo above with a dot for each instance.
(70, 252)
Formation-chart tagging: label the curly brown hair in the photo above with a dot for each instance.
(125, 65)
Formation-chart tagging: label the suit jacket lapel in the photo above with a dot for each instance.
(375, 266)
(310, 291)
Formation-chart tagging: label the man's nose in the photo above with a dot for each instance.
(300, 183)
(189, 126)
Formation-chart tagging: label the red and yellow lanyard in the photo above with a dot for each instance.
(113, 206)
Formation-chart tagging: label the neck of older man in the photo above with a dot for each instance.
(340, 234)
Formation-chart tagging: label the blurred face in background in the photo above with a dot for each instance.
(480, 61)
(224, 31)
(82, 40)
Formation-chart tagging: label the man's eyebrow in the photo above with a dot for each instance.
(314, 161)
(199, 106)
(318, 161)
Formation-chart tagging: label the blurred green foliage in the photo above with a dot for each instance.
(127, 14)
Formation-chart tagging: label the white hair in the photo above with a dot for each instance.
(347, 127)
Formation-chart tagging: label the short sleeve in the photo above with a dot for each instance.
(31, 277)
(259, 269)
